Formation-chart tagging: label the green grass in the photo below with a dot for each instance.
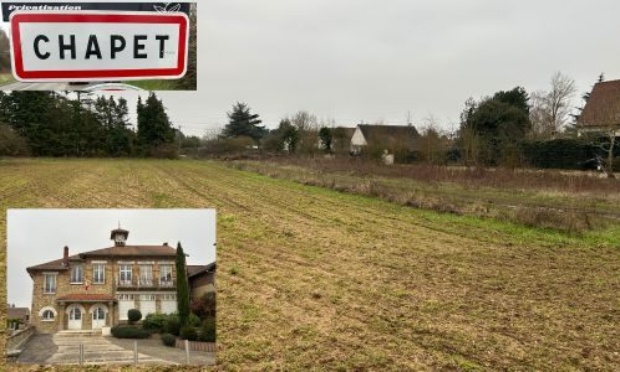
(312, 278)
(552, 205)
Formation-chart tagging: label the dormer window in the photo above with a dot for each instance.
(77, 274)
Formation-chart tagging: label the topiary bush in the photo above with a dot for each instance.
(172, 325)
(155, 322)
(189, 333)
(168, 339)
(134, 315)
(124, 331)
(207, 331)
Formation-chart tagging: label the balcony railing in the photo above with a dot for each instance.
(144, 283)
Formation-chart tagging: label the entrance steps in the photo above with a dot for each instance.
(80, 333)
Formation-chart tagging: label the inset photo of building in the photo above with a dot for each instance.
(112, 273)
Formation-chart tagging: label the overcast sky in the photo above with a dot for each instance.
(376, 60)
(36, 236)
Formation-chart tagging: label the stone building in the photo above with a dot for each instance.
(94, 289)
(201, 280)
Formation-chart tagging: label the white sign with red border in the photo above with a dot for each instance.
(98, 46)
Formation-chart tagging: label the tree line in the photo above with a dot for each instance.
(42, 123)
(509, 128)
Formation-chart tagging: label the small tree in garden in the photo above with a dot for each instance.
(182, 287)
(325, 134)
(204, 306)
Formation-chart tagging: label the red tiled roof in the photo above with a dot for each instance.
(53, 265)
(17, 312)
(86, 297)
(197, 269)
(603, 105)
(133, 250)
(121, 251)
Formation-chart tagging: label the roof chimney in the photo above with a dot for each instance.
(65, 257)
(165, 244)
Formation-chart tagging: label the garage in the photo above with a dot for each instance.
(168, 303)
(147, 304)
(125, 303)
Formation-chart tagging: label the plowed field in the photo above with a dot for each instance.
(314, 278)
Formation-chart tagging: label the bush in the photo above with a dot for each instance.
(168, 339)
(207, 332)
(189, 333)
(172, 325)
(194, 320)
(134, 315)
(129, 332)
(155, 322)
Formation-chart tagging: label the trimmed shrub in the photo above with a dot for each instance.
(134, 315)
(172, 325)
(189, 333)
(207, 332)
(124, 331)
(155, 322)
(168, 339)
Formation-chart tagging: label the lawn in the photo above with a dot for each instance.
(311, 277)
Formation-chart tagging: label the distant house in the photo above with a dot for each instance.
(17, 316)
(378, 138)
(341, 139)
(602, 110)
(201, 279)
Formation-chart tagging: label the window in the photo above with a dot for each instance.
(146, 275)
(165, 275)
(50, 283)
(125, 297)
(48, 315)
(125, 274)
(77, 274)
(98, 273)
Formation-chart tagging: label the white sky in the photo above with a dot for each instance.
(36, 236)
(370, 60)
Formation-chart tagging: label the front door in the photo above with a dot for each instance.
(98, 318)
(75, 319)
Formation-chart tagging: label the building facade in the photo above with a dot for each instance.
(94, 289)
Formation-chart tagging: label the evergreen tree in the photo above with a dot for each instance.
(325, 134)
(154, 127)
(243, 123)
(182, 287)
(493, 128)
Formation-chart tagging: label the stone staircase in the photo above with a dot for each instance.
(97, 350)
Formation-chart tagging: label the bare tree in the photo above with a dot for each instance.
(540, 117)
(308, 131)
(559, 99)
(550, 110)
(432, 141)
